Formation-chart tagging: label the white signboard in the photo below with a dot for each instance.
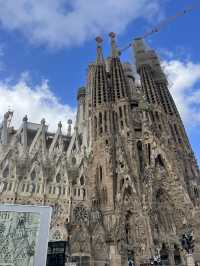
(24, 232)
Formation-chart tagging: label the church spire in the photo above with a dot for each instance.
(100, 88)
(24, 133)
(119, 86)
(114, 50)
(99, 59)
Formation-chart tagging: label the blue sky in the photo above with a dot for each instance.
(45, 47)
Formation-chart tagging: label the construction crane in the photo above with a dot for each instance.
(164, 23)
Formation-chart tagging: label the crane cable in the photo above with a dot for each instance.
(164, 23)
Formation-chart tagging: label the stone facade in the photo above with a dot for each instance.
(125, 185)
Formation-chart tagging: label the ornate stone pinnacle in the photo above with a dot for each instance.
(99, 40)
(25, 119)
(60, 124)
(6, 115)
(114, 50)
(43, 121)
(69, 122)
(112, 35)
(69, 130)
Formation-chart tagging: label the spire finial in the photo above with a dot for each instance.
(25, 119)
(43, 121)
(69, 131)
(114, 50)
(99, 41)
(112, 35)
(60, 125)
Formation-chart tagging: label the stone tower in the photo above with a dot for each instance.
(164, 115)
(124, 186)
(142, 179)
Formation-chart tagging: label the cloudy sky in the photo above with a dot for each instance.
(45, 47)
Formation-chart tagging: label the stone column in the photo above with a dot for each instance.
(115, 257)
(190, 260)
(171, 256)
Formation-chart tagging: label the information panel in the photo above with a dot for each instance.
(24, 235)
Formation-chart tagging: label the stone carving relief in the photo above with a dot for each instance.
(81, 215)
(80, 240)
(99, 242)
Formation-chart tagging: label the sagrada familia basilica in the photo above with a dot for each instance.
(125, 185)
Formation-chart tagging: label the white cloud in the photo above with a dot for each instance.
(37, 102)
(60, 23)
(185, 89)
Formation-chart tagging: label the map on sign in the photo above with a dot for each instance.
(18, 237)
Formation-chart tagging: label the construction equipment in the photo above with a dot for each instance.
(163, 24)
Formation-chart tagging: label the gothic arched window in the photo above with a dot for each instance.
(149, 152)
(27, 188)
(23, 187)
(128, 191)
(33, 175)
(159, 161)
(100, 173)
(196, 192)
(105, 122)
(82, 180)
(38, 189)
(177, 134)
(100, 123)
(6, 172)
(58, 178)
(104, 195)
(160, 195)
(121, 183)
(140, 155)
(5, 186)
(95, 127)
(84, 193)
(128, 227)
(73, 160)
(33, 188)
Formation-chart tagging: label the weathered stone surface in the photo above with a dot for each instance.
(125, 184)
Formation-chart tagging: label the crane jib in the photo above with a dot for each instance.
(164, 23)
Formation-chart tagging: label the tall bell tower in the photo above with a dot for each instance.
(103, 178)
(164, 114)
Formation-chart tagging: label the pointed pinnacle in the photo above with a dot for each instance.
(69, 122)
(60, 125)
(114, 50)
(42, 121)
(112, 35)
(25, 119)
(99, 40)
(99, 59)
